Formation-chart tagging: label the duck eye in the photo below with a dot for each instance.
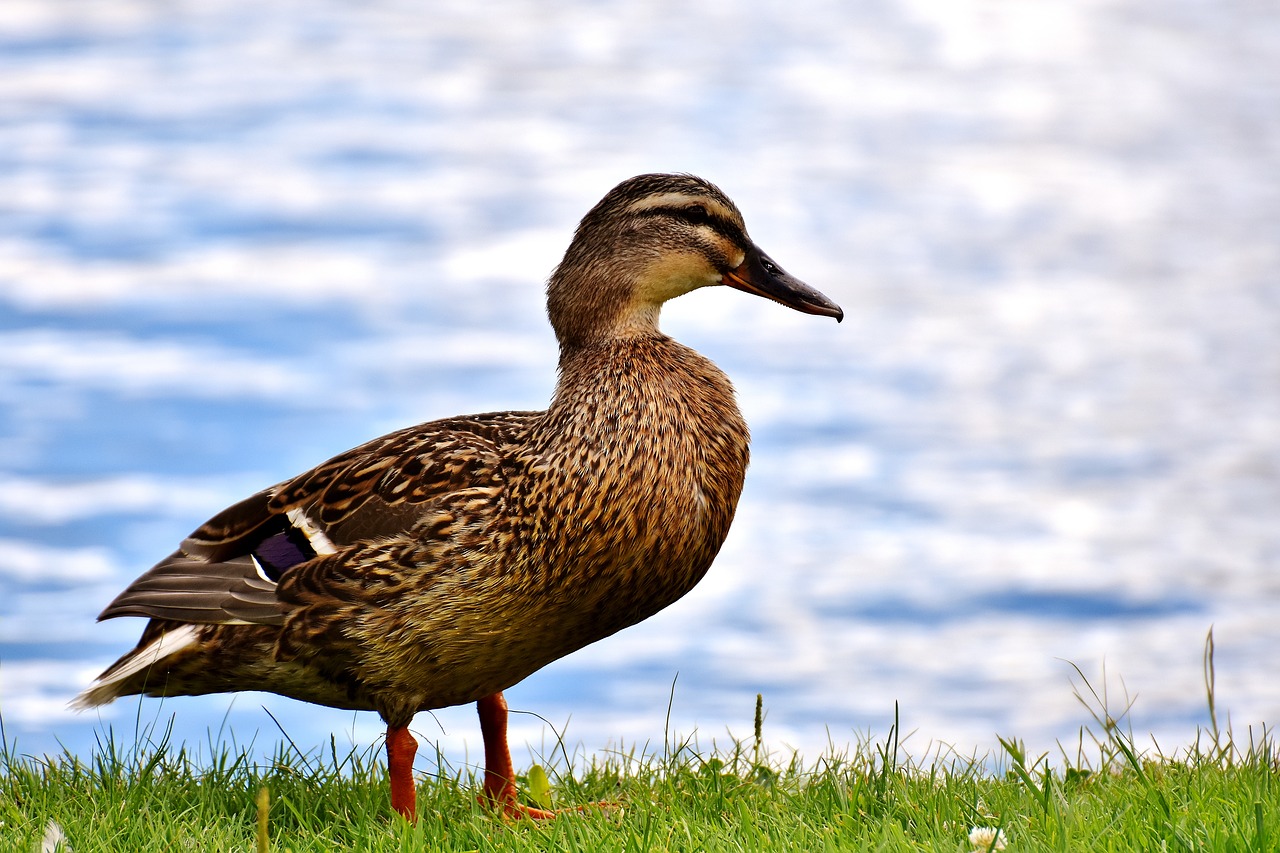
(698, 214)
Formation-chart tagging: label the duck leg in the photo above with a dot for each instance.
(499, 775)
(401, 748)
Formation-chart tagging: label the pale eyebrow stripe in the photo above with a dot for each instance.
(677, 200)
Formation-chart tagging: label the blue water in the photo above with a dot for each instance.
(238, 239)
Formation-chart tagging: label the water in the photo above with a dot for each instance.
(237, 239)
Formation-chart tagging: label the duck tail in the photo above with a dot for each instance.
(116, 681)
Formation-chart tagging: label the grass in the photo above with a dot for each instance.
(1221, 793)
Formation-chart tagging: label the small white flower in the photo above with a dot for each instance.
(984, 838)
(54, 841)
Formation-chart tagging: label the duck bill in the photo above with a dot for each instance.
(758, 274)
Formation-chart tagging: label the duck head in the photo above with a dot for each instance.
(653, 238)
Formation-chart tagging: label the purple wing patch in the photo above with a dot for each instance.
(282, 551)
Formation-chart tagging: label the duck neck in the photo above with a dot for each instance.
(635, 332)
(631, 386)
(589, 307)
(607, 369)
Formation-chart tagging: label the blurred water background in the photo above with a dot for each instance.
(237, 238)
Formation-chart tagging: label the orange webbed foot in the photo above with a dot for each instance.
(506, 804)
(509, 808)
(499, 775)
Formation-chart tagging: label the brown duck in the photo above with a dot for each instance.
(443, 563)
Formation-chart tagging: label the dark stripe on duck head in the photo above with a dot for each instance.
(698, 214)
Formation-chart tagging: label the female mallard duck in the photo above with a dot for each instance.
(443, 563)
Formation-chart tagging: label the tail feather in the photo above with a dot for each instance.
(113, 683)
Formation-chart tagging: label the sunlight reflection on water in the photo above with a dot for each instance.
(239, 241)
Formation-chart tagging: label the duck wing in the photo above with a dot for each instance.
(228, 571)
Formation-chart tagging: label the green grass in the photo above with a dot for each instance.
(1222, 793)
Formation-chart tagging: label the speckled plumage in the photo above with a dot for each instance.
(445, 562)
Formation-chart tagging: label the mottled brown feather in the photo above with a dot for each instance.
(454, 558)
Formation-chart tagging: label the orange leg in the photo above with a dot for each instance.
(499, 775)
(401, 748)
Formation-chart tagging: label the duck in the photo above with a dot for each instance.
(442, 564)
